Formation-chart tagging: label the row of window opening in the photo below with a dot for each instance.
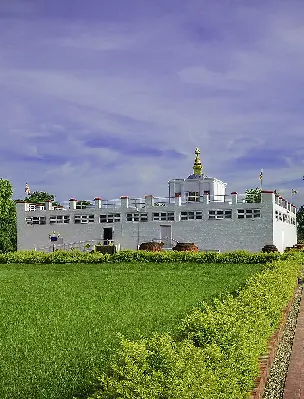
(283, 217)
(143, 217)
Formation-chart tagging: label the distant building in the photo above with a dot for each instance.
(197, 210)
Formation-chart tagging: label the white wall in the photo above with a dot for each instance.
(284, 234)
(214, 186)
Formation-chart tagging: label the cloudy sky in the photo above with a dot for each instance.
(111, 97)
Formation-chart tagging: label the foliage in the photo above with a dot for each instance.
(253, 195)
(57, 257)
(215, 353)
(39, 197)
(8, 222)
(129, 256)
(300, 223)
(82, 204)
(197, 257)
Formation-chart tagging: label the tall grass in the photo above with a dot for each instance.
(59, 323)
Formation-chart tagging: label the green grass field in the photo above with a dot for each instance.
(59, 322)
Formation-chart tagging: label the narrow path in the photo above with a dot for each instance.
(294, 384)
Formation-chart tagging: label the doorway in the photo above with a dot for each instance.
(166, 235)
(107, 235)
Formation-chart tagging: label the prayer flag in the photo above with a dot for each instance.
(27, 189)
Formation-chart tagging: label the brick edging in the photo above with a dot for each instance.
(266, 360)
(293, 387)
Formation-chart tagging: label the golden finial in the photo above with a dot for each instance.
(197, 167)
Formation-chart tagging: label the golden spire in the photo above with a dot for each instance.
(197, 167)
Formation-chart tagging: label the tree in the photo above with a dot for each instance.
(8, 222)
(39, 196)
(300, 223)
(82, 204)
(253, 195)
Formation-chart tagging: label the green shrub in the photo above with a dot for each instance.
(215, 350)
(196, 257)
(158, 368)
(76, 256)
(57, 257)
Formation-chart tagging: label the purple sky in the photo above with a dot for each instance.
(110, 98)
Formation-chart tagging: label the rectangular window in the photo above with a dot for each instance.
(83, 204)
(109, 218)
(36, 207)
(82, 219)
(59, 219)
(282, 217)
(248, 213)
(163, 216)
(220, 214)
(193, 215)
(35, 220)
(193, 196)
(137, 217)
(143, 217)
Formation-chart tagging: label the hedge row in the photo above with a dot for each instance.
(215, 351)
(139, 257)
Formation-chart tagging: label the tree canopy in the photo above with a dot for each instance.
(300, 223)
(253, 195)
(8, 223)
(82, 204)
(39, 196)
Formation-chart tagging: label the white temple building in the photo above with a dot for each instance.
(196, 210)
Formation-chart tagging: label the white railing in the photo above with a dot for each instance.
(140, 203)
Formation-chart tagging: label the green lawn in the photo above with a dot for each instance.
(59, 322)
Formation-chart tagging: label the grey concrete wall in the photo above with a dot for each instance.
(224, 235)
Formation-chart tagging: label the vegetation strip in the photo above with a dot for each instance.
(33, 257)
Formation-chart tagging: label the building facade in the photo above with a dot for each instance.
(196, 210)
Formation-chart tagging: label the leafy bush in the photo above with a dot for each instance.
(77, 256)
(35, 257)
(215, 351)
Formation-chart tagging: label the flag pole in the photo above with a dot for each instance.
(27, 189)
(293, 191)
(261, 180)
